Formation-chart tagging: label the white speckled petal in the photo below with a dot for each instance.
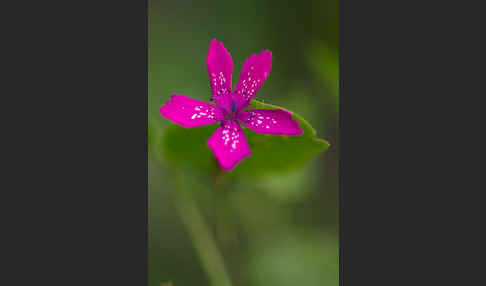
(220, 70)
(229, 145)
(255, 70)
(190, 112)
(270, 121)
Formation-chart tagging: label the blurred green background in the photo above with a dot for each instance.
(213, 228)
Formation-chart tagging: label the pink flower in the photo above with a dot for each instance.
(228, 142)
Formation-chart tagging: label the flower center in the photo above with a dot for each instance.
(231, 115)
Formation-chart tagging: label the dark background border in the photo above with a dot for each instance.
(77, 166)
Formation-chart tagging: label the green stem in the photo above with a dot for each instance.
(201, 236)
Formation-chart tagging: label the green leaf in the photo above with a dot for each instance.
(269, 153)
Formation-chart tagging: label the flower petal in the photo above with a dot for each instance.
(229, 144)
(190, 112)
(220, 70)
(255, 70)
(270, 121)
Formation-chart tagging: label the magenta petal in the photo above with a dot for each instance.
(229, 145)
(255, 70)
(220, 69)
(190, 112)
(270, 121)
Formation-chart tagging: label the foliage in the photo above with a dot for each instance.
(270, 153)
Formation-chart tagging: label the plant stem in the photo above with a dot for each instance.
(201, 236)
